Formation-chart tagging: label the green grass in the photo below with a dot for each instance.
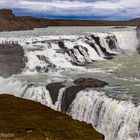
(17, 116)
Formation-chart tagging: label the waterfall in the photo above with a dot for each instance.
(46, 53)
(117, 120)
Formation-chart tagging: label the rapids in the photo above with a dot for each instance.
(66, 53)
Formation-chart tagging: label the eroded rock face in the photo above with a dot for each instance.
(53, 89)
(107, 54)
(89, 82)
(6, 13)
(138, 36)
(11, 59)
(68, 97)
(71, 91)
(81, 84)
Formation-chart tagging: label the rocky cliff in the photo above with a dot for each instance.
(9, 22)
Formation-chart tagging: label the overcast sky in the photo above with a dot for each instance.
(76, 9)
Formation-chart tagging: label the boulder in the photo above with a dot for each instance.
(89, 82)
(53, 89)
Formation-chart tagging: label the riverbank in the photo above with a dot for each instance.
(22, 119)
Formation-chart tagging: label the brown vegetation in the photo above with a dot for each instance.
(27, 120)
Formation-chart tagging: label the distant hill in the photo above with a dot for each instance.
(10, 22)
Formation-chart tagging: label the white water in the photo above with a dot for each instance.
(43, 53)
(116, 119)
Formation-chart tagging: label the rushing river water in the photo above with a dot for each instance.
(105, 53)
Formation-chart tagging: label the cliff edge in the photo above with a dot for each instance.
(10, 22)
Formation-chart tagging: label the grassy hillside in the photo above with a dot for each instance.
(27, 120)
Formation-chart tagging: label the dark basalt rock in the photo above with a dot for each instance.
(6, 13)
(68, 97)
(107, 54)
(81, 84)
(78, 48)
(61, 45)
(111, 43)
(11, 59)
(89, 82)
(138, 31)
(53, 89)
(138, 36)
(94, 47)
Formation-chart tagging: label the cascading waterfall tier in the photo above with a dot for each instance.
(117, 120)
(46, 53)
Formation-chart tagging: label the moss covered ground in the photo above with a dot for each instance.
(22, 119)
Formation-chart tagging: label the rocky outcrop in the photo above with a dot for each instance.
(80, 84)
(10, 22)
(68, 97)
(71, 91)
(138, 36)
(6, 13)
(107, 54)
(11, 59)
(138, 31)
(53, 89)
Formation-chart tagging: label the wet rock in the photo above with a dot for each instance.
(107, 54)
(83, 48)
(138, 31)
(138, 36)
(89, 82)
(111, 42)
(61, 45)
(53, 89)
(11, 59)
(68, 97)
(81, 84)
(94, 47)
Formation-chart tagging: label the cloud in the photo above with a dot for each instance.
(104, 9)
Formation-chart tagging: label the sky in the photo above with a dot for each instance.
(76, 9)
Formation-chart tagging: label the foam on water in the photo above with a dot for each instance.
(116, 119)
